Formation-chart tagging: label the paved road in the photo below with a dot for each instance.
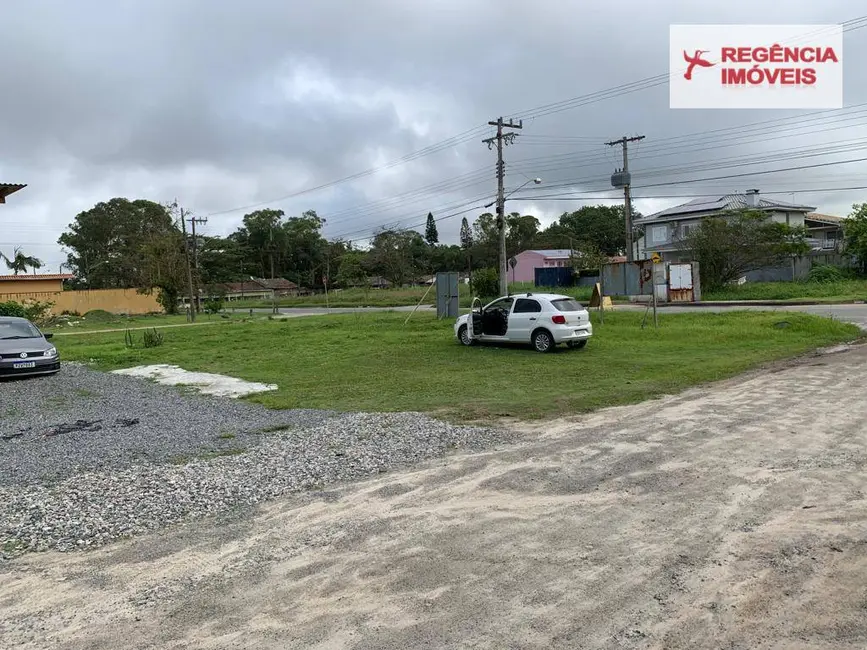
(322, 311)
(731, 516)
(852, 313)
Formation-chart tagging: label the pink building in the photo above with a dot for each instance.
(529, 261)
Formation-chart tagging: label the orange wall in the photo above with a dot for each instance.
(116, 301)
(30, 286)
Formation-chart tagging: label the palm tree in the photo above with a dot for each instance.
(20, 262)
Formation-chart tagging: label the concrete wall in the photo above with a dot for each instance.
(116, 301)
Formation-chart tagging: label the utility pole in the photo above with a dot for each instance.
(193, 221)
(192, 312)
(627, 207)
(500, 140)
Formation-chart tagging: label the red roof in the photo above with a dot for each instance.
(249, 285)
(31, 276)
(277, 283)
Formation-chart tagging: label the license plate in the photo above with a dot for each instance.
(24, 364)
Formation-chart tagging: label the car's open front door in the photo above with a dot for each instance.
(474, 322)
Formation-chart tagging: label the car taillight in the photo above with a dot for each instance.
(558, 319)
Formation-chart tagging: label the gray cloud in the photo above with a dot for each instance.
(225, 105)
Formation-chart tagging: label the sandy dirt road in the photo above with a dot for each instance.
(731, 516)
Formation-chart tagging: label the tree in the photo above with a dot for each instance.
(164, 267)
(222, 259)
(351, 271)
(855, 234)
(306, 254)
(19, 262)
(262, 236)
(431, 235)
(466, 235)
(486, 247)
(447, 258)
(587, 257)
(520, 233)
(739, 241)
(603, 225)
(394, 255)
(111, 245)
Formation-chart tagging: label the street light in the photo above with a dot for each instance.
(501, 219)
(537, 181)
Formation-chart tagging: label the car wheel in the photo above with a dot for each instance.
(464, 336)
(543, 341)
(577, 345)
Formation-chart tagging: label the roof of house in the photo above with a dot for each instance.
(246, 285)
(276, 283)
(31, 276)
(711, 205)
(827, 218)
(553, 252)
(8, 188)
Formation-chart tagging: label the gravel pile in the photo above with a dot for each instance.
(81, 489)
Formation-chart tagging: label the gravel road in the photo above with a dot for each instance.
(730, 516)
(87, 457)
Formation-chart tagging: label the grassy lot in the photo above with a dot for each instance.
(78, 324)
(843, 291)
(373, 362)
(395, 297)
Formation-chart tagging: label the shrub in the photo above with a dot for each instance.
(100, 316)
(152, 339)
(486, 283)
(34, 311)
(213, 305)
(12, 308)
(825, 273)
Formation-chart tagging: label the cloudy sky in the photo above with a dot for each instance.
(226, 106)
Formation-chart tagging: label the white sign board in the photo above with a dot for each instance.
(756, 66)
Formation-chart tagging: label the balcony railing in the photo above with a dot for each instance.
(817, 243)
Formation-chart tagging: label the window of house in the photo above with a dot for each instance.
(658, 234)
(687, 228)
(526, 306)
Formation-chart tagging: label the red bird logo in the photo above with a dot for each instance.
(694, 61)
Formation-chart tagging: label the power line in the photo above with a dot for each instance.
(558, 162)
(539, 111)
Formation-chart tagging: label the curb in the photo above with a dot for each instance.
(756, 303)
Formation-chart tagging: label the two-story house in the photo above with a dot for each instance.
(665, 232)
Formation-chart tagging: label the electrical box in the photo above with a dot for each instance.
(621, 179)
(447, 295)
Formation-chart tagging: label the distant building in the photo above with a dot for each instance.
(666, 232)
(280, 286)
(252, 289)
(529, 261)
(32, 283)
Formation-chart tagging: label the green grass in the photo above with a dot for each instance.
(843, 291)
(373, 362)
(395, 297)
(145, 321)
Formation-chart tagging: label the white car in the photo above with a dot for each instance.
(540, 319)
